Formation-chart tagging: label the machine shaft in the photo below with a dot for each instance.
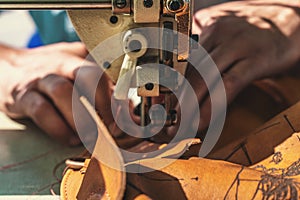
(54, 4)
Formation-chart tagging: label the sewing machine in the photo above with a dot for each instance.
(140, 63)
(140, 66)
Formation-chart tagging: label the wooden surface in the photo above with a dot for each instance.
(29, 158)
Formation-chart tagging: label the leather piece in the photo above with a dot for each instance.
(261, 143)
(152, 150)
(211, 179)
(193, 179)
(245, 114)
(94, 183)
(199, 178)
(284, 154)
(107, 160)
(71, 182)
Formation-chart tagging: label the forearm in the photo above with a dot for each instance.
(295, 3)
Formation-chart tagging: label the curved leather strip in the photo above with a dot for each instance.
(105, 177)
(71, 182)
(93, 182)
(172, 150)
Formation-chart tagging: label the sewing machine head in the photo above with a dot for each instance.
(144, 50)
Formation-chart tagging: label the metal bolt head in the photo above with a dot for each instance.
(175, 5)
(149, 86)
(148, 3)
(113, 19)
(120, 3)
(106, 65)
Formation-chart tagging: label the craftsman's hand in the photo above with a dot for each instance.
(247, 40)
(38, 83)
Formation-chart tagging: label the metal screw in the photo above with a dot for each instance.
(120, 3)
(113, 19)
(106, 65)
(149, 86)
(148, 3)
(175, 5)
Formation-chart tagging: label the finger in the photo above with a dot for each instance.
(208, 38)
(60, 91)
(225, 56)
(213, 34)
(96, 85)
(206, 17)
(201, 27)
(15, 110)
(72, 64)
(74, 48)
(66, 99)
(221, 31)
(68, 69)
(47, 118)
(235, 80)
(197, 26)
(238, 77)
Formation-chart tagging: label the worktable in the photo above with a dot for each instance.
(31, 162)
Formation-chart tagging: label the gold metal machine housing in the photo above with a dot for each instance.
(97, 20)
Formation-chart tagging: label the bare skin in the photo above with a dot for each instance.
(38, 84)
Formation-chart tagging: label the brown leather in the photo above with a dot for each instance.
(261, 143)
(271, 153)
(94, 184)
(198, 178)
(252, 108)
(71, 182)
